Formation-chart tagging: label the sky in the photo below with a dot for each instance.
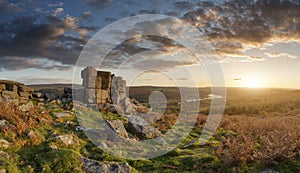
(257, 42)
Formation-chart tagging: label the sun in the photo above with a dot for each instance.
(253, 82)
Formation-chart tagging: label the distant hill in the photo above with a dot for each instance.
(38, 87)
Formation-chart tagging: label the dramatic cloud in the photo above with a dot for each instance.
(26, 39)
(99, 3)
(9, 8)
(236, 24)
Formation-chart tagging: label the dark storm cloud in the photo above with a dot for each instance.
(24, 37)
(9, 8)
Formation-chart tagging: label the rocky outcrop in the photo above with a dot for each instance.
(15, 92)
(143, 129)
(102, 87)
(94, 166)
(108, 92)
(118, 127)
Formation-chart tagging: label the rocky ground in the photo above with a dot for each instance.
(46, 134)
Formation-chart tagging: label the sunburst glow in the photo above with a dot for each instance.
(254, 81)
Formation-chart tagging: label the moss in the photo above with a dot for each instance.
(9, 164)
(59, 161)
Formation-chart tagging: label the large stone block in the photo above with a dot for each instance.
(10, 94)
(105, 79)
(101, 101)
(89, 82)
(90, 96)
(102, 94)
(115, 97)
(98, 83)
(88, 72)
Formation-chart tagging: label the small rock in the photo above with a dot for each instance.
(3, 171)
(79, 128)
(4, 143)
(94, 166)
(66, 139)
(31, 133)
(53, 147)
(26, 107)
(2, 123)
(269, 171)
(62, 114)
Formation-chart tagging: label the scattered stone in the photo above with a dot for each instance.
(94, 166)
(118, 127)
(14, 92)
(66, 139)
(31, 133)
(26, 107)
(143, 129)
(2, 123)
(62, 114)
(269, 171)
(53, 147)
(4, 143)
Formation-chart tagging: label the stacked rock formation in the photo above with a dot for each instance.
(15, 92)
(102, 87)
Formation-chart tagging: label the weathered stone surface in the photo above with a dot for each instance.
(105, 78)
(66, 139)
(62, 114)
(4, 143)
(94, 166)
(90, 96)
(2, 123)
(10, 94)
(26, 107)
(118, 127)
(98, 83)
(24, 94)
(143, 129)
(23, 100)
(2, 87)
(88, 72)
(89, 82)
(102, 94)
(115, 96)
